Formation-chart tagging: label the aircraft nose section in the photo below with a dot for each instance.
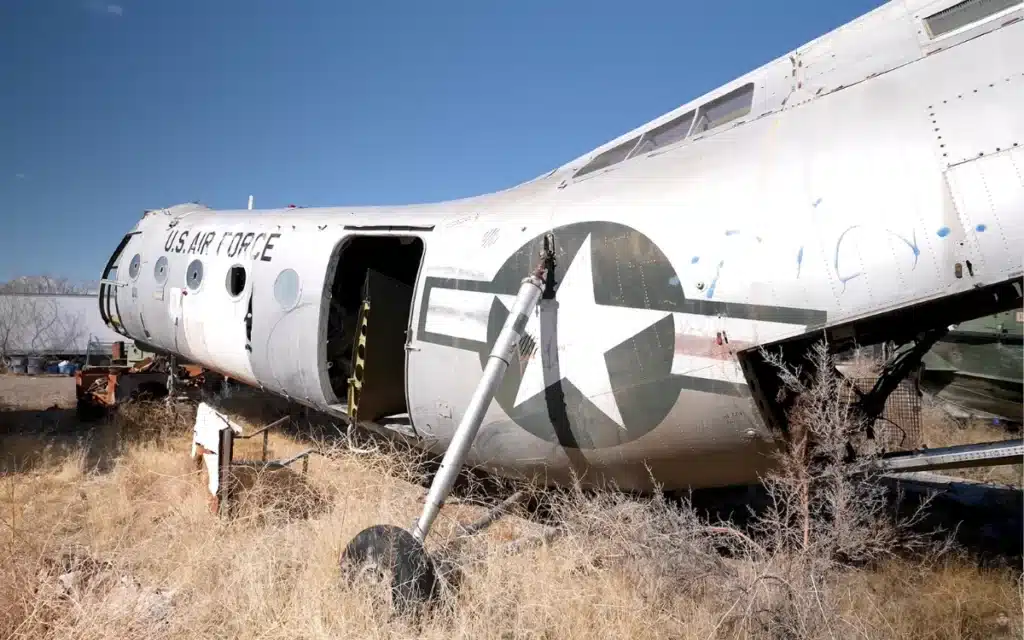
(110, 282)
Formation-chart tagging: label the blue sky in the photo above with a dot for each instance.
(112, 107)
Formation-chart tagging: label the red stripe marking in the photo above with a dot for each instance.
(707, 347)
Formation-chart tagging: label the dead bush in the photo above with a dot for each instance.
(269, 496)
(825, 495)
(153, 421)
(827, 515)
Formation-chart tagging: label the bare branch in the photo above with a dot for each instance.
(35, 325)
(45, 284)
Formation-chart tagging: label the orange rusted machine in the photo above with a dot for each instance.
(99, 387)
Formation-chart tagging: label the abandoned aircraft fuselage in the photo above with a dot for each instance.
(875, 167)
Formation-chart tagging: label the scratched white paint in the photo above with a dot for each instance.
(460, 273)
(727, 370)
(223, 340)
(992, 215)
(459, 313)
(737, 329)
(832, 196)
(174, 305)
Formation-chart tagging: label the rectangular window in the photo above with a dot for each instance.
(663, 135)
(735, 104)
(612, 156)
(965, 13)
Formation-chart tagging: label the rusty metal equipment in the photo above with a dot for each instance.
(105, 381)
(98, 389)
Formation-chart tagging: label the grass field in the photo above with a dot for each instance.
(105, 533)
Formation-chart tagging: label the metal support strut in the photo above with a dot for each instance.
(530, 291)
(396, 549)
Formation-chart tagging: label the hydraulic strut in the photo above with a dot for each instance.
(530, 291)
(402, 552)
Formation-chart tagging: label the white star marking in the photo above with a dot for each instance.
(586, 331)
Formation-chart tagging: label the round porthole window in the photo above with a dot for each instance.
(134, 266)
(286, 289)
(236, 280)
(160, 270)
(194, 275)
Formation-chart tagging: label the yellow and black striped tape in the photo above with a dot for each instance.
(355, 383)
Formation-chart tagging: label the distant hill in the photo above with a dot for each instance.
(48, 284)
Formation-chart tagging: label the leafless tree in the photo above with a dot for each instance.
(37, 325)
(10, 326)
(45, 284)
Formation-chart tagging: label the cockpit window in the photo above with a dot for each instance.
(713, 113)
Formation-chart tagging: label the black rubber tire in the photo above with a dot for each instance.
(413, 576)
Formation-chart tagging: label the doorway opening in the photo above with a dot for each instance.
(368, 320)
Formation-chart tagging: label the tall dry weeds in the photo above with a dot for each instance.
(827, 515)
(826, 497)
(130, 550)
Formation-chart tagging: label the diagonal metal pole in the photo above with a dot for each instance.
(530, 291)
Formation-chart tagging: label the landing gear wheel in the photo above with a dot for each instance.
(396, 552)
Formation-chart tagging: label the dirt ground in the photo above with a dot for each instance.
(37, 393)
(34, 408)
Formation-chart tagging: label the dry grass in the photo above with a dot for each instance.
(938, 429)
(123, 518)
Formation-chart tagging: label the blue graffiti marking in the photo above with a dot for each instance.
(714, 282)
(694, 259)
(943, 232)
(735, 232)
(912, 244)
(800, 252)
(835, 261)
(980, 228)
(674, 281)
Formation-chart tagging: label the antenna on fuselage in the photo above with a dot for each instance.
(250, 203)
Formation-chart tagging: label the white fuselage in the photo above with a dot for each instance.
(873, 168)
